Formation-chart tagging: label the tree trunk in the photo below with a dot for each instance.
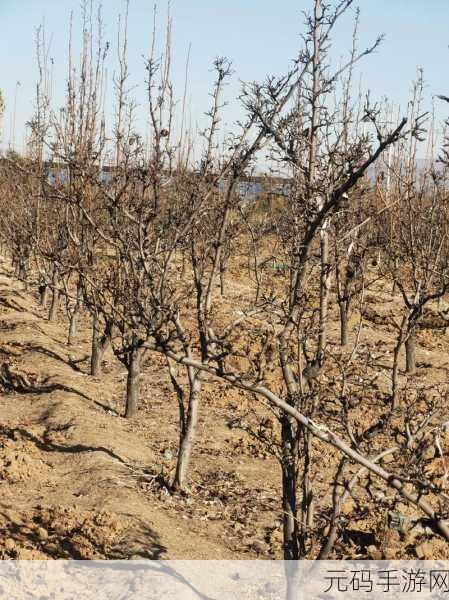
(343, 322)
(95, 356)
(99, 345)
(289, 502)
(222, 280)
(222, 276)
(291, 550)
(187, 435)
(54, 305)
(395, 374)
(132, 383)
(72, 328)
(73, 315)
(23, 275)
(55, 296)
(395, 286)
(324, 286)
(410, 357)
(308, 496)
(43, 294)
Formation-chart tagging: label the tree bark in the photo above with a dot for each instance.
(96, 355)
(324, 286)
(410, 355)
(187, 435)
(23, 275)
(395, 374)
(289, 500)
(54, 305)
(393, 289)
(99, 346)
(343, 322)
(43, 294)
(133, 383)
(73, 315)
(55, 296)
(308, 495)
(72, 328)
(222, 280)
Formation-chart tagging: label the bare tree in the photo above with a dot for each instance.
(417, 252)
(301, 225)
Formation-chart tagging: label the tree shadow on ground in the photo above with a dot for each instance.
(75, 535)
(18, 382)
(10, 304)
(46, 445)
(141, 567)
(73, 364)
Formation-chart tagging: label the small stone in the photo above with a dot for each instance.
(388, 459)
(374, 553)
(168, 454)
(41, 533)
(423, 551)
(419, 529)
(59, 530)
(51, 548)
(9, 544)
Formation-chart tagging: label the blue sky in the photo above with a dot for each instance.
(260, 36)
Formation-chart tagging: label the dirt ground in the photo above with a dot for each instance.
(79, 481)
